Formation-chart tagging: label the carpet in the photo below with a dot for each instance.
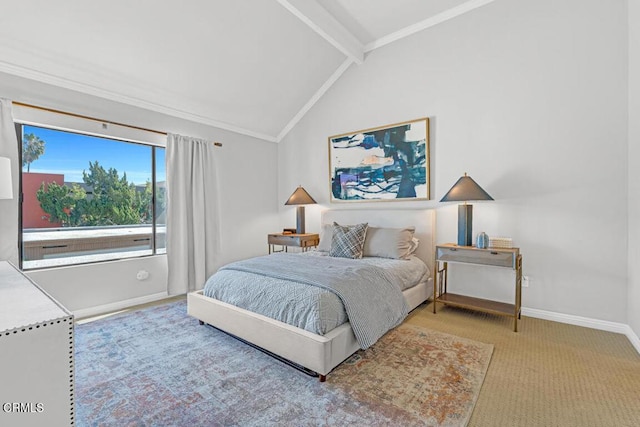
(159, 367)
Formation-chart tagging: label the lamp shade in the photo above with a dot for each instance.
(6, 185)
(465, 189)
(300, 197)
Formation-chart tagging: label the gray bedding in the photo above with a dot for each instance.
(319, 293)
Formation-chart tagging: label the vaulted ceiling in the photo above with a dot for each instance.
(249, 66)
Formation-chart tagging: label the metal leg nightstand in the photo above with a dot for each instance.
(496, 257)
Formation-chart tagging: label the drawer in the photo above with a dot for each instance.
(468, 255)
(284, 240)
(300, 240)
(309, 242)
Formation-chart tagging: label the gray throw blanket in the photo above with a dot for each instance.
(371, 296)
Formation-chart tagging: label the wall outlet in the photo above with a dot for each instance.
(525, 281)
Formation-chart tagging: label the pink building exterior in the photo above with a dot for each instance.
(32, 214)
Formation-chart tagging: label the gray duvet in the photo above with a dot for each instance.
(319, 293)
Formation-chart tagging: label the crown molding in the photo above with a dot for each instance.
(383, 41)
(427, 23)
(312, 14)
(327, 26)
(315, 98)
(88, 89)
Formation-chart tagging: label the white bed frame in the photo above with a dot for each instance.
(318, 353)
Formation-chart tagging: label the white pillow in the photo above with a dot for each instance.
(395, 243)
(414, 245)
(326, 233)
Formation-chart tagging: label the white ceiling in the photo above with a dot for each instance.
(250, 66)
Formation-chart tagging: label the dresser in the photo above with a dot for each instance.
(36, 354)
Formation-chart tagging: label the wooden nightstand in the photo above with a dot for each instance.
(496, 257)
(304, 241)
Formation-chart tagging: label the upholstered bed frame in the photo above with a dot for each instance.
(318, 353)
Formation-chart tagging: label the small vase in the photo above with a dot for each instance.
(483, 241)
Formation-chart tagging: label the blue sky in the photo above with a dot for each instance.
(70, 153)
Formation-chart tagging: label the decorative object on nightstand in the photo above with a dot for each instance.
(482, 241)
(496, 257)
(300, 197)
(6, 186)
(465, 190)
(303, 241)
(500, 242)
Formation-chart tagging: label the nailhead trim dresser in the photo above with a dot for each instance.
(36, 354)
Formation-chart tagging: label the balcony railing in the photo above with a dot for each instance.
(63, 246)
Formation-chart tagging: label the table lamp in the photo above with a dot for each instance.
(465, 190)
(300, 197)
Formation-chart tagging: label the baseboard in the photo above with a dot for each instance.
(603, 325)
(635, 341)
(107, 308)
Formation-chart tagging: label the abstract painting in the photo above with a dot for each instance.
(385, 163)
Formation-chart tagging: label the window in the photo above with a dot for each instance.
(89, 198)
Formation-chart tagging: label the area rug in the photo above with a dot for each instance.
(159, 367)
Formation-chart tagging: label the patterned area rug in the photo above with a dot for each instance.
(159, 367)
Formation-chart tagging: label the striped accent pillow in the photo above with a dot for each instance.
(348, 241)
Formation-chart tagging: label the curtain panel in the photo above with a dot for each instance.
(9, 207)
(193, 218)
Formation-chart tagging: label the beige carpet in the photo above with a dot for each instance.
(548, 374)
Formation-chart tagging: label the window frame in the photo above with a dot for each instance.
(153, 145)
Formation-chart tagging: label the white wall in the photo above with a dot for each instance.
(84, 287)
(529, 98)
(634, 166)
(247, 188)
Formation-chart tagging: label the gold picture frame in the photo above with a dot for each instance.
(390, 162)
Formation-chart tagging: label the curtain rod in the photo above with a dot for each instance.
(80, 116)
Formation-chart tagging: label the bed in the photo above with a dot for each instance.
(315, 352)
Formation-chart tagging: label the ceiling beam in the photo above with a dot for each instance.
(427, 23)
(323, 23)
(315, 98)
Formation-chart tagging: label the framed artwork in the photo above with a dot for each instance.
(385, 163)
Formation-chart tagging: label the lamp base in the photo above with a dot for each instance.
(300, 220)
(465, 221)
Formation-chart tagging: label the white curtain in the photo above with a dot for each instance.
(9, 207)
(193, 220)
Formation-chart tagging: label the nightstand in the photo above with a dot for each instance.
(495, 257)
(304, 241)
